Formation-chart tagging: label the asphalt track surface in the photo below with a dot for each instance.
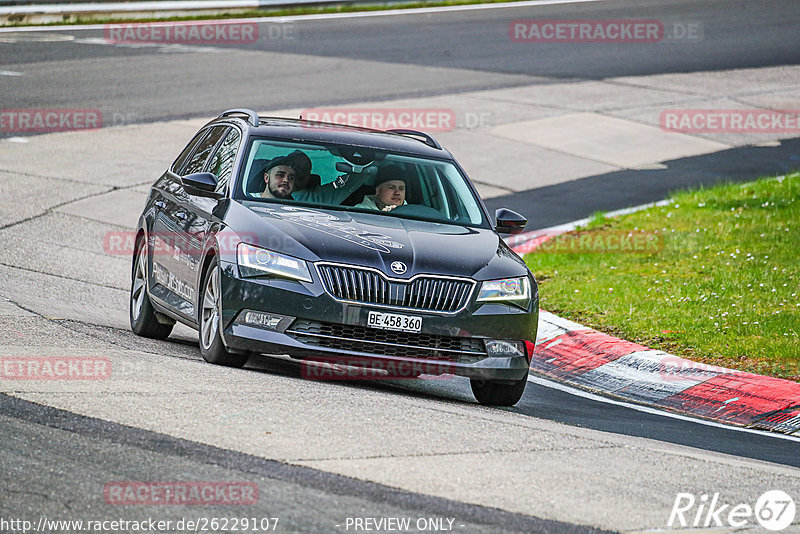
(441, 54)
(545, 207)
(403, 55)
(88, 451)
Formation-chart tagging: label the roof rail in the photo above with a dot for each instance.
(252, 116)
(428, 140)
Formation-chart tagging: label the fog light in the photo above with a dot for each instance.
(505, 347)
(268, 321)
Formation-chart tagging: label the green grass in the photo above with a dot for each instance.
(263, 12)
(724, 289)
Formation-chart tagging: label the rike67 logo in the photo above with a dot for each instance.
(774, 510)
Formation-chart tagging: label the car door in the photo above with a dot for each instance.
(176, 226)
(195, 214)
(161, 234)
(210, 211)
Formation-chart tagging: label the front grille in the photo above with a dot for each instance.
(427, 293)
(388, 343)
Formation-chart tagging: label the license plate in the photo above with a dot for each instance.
(394, 321)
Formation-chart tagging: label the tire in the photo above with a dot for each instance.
(211, 347)
(144, 320)
(491, 393)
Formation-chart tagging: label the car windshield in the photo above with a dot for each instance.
(358, 179)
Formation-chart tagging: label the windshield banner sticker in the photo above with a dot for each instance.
(332, 225)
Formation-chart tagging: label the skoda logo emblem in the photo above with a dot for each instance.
(398, 267)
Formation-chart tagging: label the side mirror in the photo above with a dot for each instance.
(202, 184)
(509, 222)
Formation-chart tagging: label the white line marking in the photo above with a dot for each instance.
(10, 73)
(325, 16)
(646, 409)
(164, 47)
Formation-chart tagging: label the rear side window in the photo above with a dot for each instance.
(179, 163)
(198, 160)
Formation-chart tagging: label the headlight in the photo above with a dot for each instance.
(509, 290)
(255, 261)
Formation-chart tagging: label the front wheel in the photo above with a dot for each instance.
(211, 347)
(491, 393)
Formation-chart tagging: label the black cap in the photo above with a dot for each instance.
(391, 172)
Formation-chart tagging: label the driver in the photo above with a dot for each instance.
(390, 190)
(284, 174)
(280, 180)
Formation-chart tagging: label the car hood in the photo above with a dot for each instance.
(378, 241)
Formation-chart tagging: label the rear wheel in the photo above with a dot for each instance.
(144, 320)
(211, 347)
(492, 393)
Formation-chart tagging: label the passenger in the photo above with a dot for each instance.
(390, 190)
(282, 175)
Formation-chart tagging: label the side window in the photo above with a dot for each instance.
(222, 160)
(198, 160)
(179, 162)
(454, 200)
(433, 191)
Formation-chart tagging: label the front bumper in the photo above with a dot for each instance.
(316, 326)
